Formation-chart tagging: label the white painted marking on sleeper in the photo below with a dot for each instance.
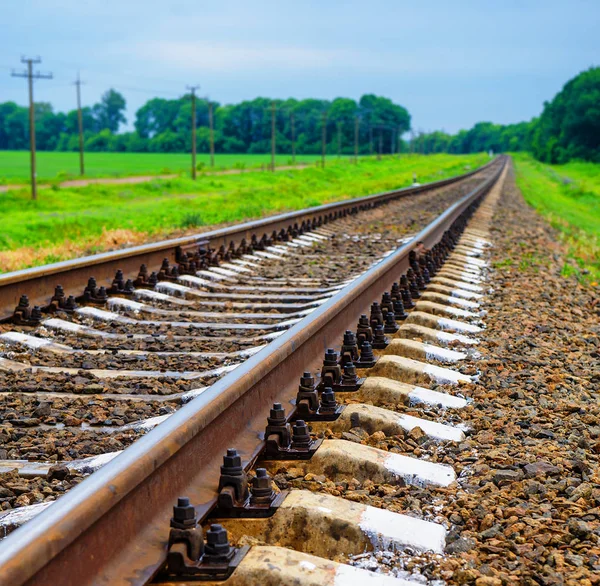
(386, 529)
(429, 397)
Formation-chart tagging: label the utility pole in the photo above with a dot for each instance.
(193, 89)
(339, 137)
(399, 143)
(77, 84)
(273, 137)
(356, 123)
(323, 139)
(30, 76)
(293, 128)
(211, 134)
(380, 145)
(371, 140)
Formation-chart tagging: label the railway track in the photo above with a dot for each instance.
(237, 324)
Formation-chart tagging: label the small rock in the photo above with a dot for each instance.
(488, 581)
(573, 559)
(534, 487)
(584, 490)
(491, 532)
(465, 576)
(292, 473)
(360, 432)
(351, 437)
(461, 545)
(25, 422)
(416, 434)
(378, 436)
(42, 410)
(543, 434)
(19, 489)
(310, 477)
(487, 522)
(579, 529)
(22, 501)
(542, 468)
(58, 472)
(502, 477)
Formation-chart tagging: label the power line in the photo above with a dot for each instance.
(30, 76)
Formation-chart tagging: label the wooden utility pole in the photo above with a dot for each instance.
(193, 89)
(323, 138)
(30, 76)
(273, 137)
(211, 134)
(293, 129)
(356, 123)
(77, 84)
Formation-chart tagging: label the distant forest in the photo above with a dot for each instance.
(568, 127)
(163, 125)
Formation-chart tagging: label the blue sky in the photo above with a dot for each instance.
(451, 63)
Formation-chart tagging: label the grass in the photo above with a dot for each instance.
(568, 196)
(69, 222)
(59, 166)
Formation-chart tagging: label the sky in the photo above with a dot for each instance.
(450, 63)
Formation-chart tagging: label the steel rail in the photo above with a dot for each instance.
(112, 528)
(38, 282)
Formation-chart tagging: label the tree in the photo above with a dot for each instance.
(89, 123)
(156, 116)
(48, 126)
(109, 112)
(163, 125)
(569, 126)
(167, 142)
(14, 126)
(100, 141)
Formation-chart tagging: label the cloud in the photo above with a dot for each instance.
(231, 57)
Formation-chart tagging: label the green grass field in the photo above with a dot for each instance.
(569, 197)
(59, 166)
(64, 223)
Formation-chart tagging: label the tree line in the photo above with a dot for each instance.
(164, 125)
(568, 128)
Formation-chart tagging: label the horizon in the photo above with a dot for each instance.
(444, 64)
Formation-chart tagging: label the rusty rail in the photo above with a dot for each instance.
(38, 282)
(112, 528)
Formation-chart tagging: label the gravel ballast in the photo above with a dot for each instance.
(526, 506)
